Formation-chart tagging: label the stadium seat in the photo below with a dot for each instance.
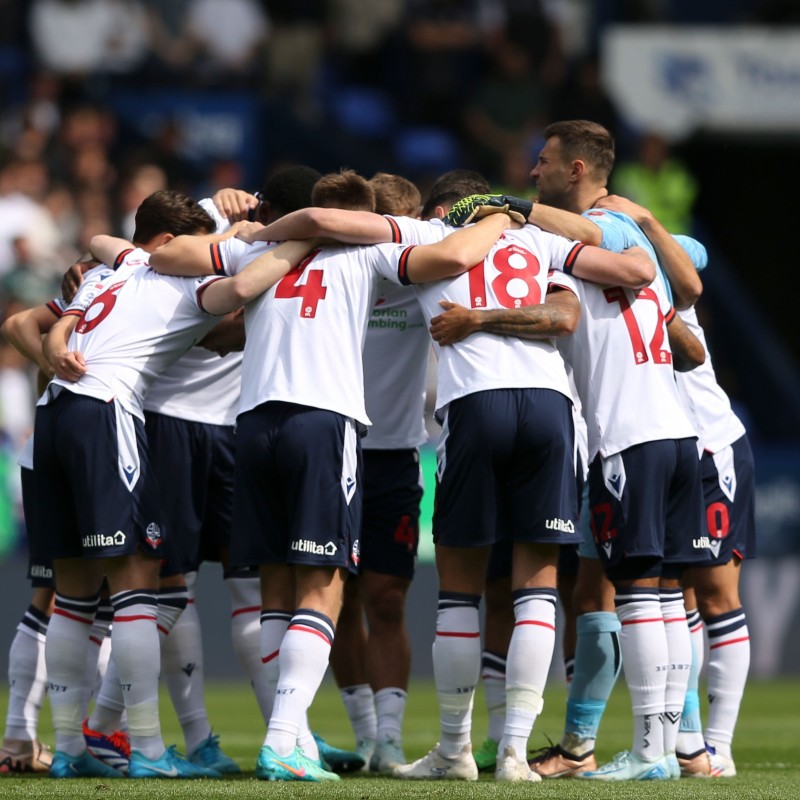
(426, 149)
(362, 111)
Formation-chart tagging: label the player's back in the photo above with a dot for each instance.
(622, 365)
(133, 324)
(310, 330)
(513, 275)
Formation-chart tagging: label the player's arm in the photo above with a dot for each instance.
(227, 294)
(632, 268)
(456, 253)
(189, 255)
(24, 331)
(350, 227)
(559, 315)
(67, 364)
(687, 350)
(554, 220)
(107, 249)
(681, 271)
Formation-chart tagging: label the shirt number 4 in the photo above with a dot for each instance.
(310, 292)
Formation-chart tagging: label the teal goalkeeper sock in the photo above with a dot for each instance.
(597, 663)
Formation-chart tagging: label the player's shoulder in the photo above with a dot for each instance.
(605, 216)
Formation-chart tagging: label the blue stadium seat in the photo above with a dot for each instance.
(426, 149)
(362, 111)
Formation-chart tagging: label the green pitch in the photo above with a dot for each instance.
(767, 754)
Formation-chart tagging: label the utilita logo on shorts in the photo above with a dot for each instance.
(563, 525)
(307, 546)
(101, 540)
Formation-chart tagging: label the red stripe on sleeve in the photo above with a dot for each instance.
(216, 260)
(201, 290)
(121, 257)
(569, 264)
(397, 237)
(402, 266)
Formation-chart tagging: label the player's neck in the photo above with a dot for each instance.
(587, 197)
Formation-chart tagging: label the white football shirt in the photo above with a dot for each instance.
(514, 274)
(133, 324)
(200, 386)
(622, 366)
(705, 402)
(305, 335)
(396, 352)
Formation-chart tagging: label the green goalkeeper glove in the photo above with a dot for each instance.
(476, 206)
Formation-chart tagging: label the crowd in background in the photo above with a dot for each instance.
(466, 81)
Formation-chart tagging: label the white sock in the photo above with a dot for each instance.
(726, 674)
(390, 708)
(97, 653)
(303, 658)
(679, 651)
(456, 667)
(306, 741)
(643, 641)
(171, 604)
(137, 656)
(109, 705)
(493, 675)
(274, 624)
(27, 676)
(359, 702)
(182, 670)
(245, 595)
(529, 656)
(690, 734)
(65, 656)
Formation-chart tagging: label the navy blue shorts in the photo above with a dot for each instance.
(40, 572)
(93, 479)
(390, 513)
(505, 468)
(729, 493)
(297, 494)
(194, 464)
(647, 509)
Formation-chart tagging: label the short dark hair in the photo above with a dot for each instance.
(395, 194)
(289, 188)
(170, 212)
(344, 189)
(587, 141)
(452, 186)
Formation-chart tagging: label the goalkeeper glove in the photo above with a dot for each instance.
(476, 206)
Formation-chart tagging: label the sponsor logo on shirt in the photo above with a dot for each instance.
(40, 571)
(101, 540)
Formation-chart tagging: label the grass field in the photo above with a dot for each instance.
(767, 754)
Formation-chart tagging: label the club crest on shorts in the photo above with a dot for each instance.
(153, 535)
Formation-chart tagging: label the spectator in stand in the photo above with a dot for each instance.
(442, 53)
(660, 182)
(79, 38)
(234, 56)
(506, 107)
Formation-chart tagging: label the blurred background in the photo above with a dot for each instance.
(104, 101)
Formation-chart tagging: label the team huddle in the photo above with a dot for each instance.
(244, 382)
